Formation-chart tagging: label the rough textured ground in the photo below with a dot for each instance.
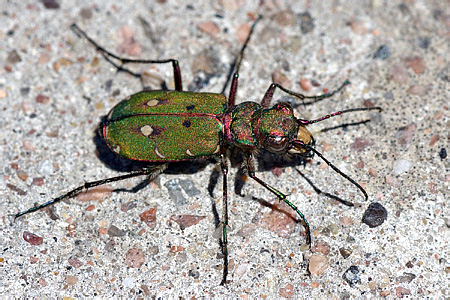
(54, 89)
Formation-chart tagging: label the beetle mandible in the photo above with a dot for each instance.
(161, 126)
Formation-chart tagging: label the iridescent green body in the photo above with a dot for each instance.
(166, 126)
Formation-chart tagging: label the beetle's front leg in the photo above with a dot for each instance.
(271, 90)
(250, 166)
(224, 167)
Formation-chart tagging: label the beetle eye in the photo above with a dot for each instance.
(276, 144)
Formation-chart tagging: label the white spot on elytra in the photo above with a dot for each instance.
(117, 149)
(217, 149)
(153, 102)
(146, 130)
(189, 153)
(159, 153)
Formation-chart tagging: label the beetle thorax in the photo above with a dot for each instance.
(253, 127)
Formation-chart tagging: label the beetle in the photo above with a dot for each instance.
(162, 126)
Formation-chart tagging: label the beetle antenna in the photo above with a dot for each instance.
(307, 122)
(299, 143)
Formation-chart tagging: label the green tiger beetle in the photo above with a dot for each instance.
(161, 126)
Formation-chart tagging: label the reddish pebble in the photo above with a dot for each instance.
(209, 27)
(432, 188)
(318, 264)
(315, 284)
(405, 134)
(42, 282)
(28, 146)
(385, 293)
(280, 78)
(419, 90)
(360, 144)
(95, 194)
(135, 258)
(360, 165)
(38, 181)
(281, 220)
(305, 84)
(90, 207)
(33, 260)
(284, 18)
(287, 291)
(321, 247)
(373, 172)
(392, 181)
(346, 221)
(242, 32)
(398, 73)
(71, 280)
(75, 262)
(416, 63)
(149, 217)
(401, 291)
(22, 175)
(186, 221)
(42, 99)
(434, 139)
(32, 238)
(358, 27)
(175, 249)
(128, 43)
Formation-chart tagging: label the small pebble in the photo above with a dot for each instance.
(284, 18)
(242, 32)
(401, 166)
(374, 215)
(401, 291)
(149, 217)
(186, 221)
(280, 219)
(406, 277)
(247, 230)
(346, 221)
(189, 187)
(306, 22)
(71, 280)
(209, 28)
(434, 139)
(345, 252)
(382, 52)
(280, 78)
(114, 231)
(321, 247)
(32, 238)
(287, 291)
(443, 153)
(75, 262)
(304, 83)
(45, 167)
(360, 144)
(13, 57)
(398, 73)
(318, 264)
(373, 172)
(405, 134)
(42, 99)
(241, 269)
(358, 27)
(419, 90)
(352, 276)
(129, 282)
(416, 63)
(175, 191)
(127, 43)
(95, 194)
(135, 258)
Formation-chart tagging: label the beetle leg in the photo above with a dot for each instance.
(224, 167)
(152, 172)
(271, 90)
(250, 165)
(108, 56)
(237, 64)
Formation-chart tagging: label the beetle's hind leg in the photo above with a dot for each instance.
(109, 56)
(152, 172)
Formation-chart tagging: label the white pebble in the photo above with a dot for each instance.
(402, 166)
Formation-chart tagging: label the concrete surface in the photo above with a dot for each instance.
(54, 89)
